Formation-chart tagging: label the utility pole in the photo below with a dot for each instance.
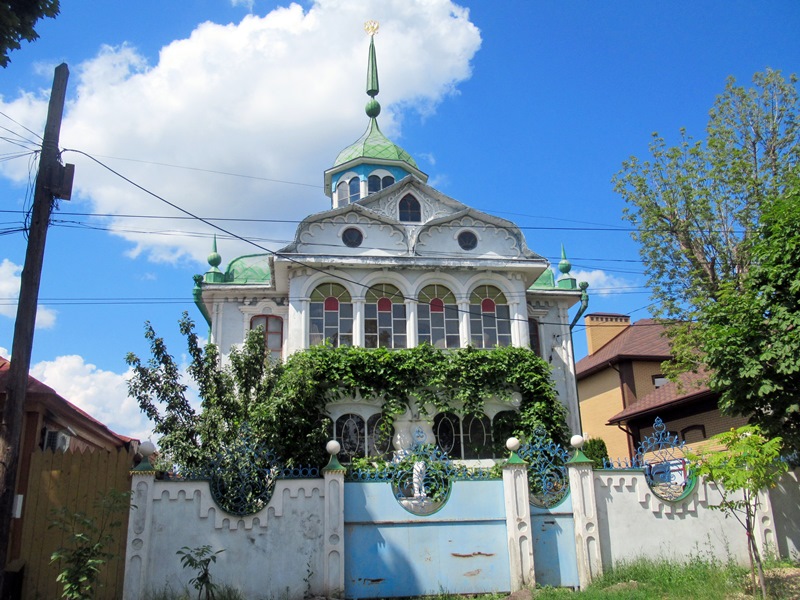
(52, 181)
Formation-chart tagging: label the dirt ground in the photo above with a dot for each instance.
(782, 583)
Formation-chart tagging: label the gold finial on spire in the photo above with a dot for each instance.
(371, 27)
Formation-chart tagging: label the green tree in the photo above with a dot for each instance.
(751, 332)
(283, 405)
(695, 206)
(17, 21)
(87, 538)
(749, 464)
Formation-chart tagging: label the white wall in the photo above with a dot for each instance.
(634, 523)
(275, 549)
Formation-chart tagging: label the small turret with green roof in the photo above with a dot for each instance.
(373, 161)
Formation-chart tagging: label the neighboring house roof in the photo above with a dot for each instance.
(690, 387)
(37, 391)
(644, 340)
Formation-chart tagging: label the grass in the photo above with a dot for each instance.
(698, 579)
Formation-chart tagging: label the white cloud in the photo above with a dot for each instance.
(10, 277)
(275, 97)
(603, 284)
(248, 4)
(102, 394)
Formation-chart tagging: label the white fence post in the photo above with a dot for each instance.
(584, 506)
(139, 528)
(518, 519)
(334, 525)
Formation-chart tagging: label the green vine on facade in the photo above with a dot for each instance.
(284, 403)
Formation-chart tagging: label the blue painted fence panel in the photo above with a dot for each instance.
(390, 552)
(554, 556)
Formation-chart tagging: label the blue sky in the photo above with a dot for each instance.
(523, 109)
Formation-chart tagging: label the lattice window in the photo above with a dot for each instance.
(489, 318)
(437, 317)
(273, 333)
(409, 209)
(384, 317)
(331, 315)
(359, 438)
(467, 438)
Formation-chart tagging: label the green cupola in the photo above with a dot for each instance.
(373, 161)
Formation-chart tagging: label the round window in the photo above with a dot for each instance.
(352, 237)
(467, 240)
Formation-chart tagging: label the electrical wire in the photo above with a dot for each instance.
(396, 296)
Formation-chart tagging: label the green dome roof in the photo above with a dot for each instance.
(373, 144)
(252, 268)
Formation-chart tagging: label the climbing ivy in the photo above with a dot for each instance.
(284, 403)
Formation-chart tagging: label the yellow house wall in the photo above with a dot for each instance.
(643, 372)
(714, 422)
(600, 399)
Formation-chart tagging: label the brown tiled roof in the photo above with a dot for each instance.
(644, 340)
(49, 396)
(689, 387)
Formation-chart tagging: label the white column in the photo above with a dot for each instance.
(519, 324)
(334, 530)
(584, 508)
(463, 322)
(518, 523)
(358, 321)
(412, 340)
(139, 530)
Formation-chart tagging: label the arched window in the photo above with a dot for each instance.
(489, 318)
(342, 193)
(384, 317)
(350, 433)
(379, 440)
(359, 440)
(354, 186)
(467, 438)
(409, 209)
(273, 333)
(331, 318)
(693, 433)
(437, 317)
(375, 183)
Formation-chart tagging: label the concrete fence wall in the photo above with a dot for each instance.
(297, 545)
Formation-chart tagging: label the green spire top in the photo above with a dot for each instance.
(564, 265)
(373, 108)
(214, 259)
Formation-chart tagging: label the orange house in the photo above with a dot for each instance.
(621, 388)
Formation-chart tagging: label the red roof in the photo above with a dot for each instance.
(689, 387)
(49, 395)
(644, 340)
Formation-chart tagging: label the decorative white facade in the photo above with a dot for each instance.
(395, 263)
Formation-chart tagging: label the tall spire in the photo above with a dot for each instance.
(373, 108)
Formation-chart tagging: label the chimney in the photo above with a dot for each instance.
(601, 328)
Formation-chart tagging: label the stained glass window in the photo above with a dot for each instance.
(489, 318)
(331, 315)
(437, 317)
(384, 317)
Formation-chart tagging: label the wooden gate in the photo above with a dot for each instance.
(72, 480)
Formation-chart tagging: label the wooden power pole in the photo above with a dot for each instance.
(52, 180)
